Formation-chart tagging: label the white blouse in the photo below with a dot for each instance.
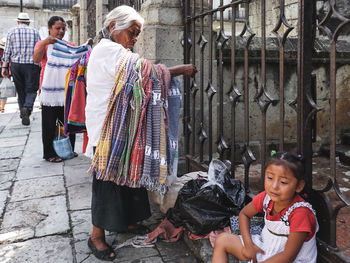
(101, 73)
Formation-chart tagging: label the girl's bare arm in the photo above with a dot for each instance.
(250, 249)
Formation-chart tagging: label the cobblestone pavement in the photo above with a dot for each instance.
(45, 207)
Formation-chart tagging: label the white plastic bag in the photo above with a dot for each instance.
(216, 173)
(7, 88)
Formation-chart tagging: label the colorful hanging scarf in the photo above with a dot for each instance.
(132, 148)
(155, 170)
(75, 96)
(174, 105)
(112, 139)
(138, 150)
(60, 57)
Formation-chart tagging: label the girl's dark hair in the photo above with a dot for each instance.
(53, 20)
(290, 161)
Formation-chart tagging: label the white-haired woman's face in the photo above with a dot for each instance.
(127, 37)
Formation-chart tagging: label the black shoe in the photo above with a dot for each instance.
(104, 254)
(25, 116)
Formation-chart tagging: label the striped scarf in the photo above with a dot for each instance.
(112, 139)
(75, 96)
(132, 148)
(155, 170)
(60, 57)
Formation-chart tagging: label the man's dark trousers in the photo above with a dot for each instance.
(26, 78)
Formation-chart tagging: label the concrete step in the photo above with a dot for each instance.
(203, 251)
(342, 151)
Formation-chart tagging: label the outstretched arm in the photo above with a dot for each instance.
(294, 243)
(39, 52)
(187, 70)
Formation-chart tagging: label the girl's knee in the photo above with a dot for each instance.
(222, 239)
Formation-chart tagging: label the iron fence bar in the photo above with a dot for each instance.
(210, 89)
(246, 100)
(263, 83)
(221, 82)
(246, 87)
(222, 39)
(281, 85)
(186, 95)
(305, 49)
(333, 102)
(202, 43)
(233, 97)
(194, 85)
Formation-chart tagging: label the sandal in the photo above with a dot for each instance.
(54, 159)
(101, 254)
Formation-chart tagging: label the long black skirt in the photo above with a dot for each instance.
(115, 207)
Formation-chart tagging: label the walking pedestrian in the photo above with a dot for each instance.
(112, 67)
(19, 51)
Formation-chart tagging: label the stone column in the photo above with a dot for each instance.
(83, 22)
(75, 10)
(101, 11)
(160, 40)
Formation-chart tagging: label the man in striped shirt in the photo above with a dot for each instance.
(19, 51)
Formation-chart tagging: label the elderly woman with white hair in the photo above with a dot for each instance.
(122, 109)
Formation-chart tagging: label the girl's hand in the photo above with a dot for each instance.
(250, 251)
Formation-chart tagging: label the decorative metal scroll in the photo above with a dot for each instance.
(218, 109)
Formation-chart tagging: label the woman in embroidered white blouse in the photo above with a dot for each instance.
(52, 101)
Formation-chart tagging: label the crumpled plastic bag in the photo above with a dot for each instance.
(216, 173)
(7, 88)
(202, 209)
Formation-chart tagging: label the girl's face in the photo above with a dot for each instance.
(127, 37)
(281, 184)
(58, 29)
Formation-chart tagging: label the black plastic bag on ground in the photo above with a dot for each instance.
(201, 211)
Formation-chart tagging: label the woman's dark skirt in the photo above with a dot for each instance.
(115, 207)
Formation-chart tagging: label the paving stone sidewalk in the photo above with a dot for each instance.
(45, 207)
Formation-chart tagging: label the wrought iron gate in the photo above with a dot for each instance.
(208, 99)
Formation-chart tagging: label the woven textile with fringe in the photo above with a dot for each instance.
(75, 96)
(131, 150)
